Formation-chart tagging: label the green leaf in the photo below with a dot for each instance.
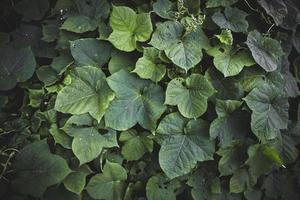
(128, 28)
(36, 169)
(164, 9)
(17, 65)
(185, 143)
(233, 157)
(79, 24)
(183, 49)
(135, 144)
(110, 184)
(137, 101)
(32, 9)
(87, 93)
(225, 37)
(269, 111)
(230, 61)
(90, 52)
(190, 95)
(241, 181)
(60, 137)
(150, 66)
(88, 143)
(160, 188)
(233, 19)
(217, 3)
(75, 182)
(88, 140)
(266, 51)
(231, 123)
(262, 159)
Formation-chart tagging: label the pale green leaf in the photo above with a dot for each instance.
(150, 66)
(110, 184)
(87, 93)
(190, 95)
(137, 101)
(128, 28)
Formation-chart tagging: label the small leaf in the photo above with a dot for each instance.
(149, 66)
(225, 37)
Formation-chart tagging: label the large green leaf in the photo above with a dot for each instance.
(266, 51)
(135, 144)
(17, 65)
(90, 52)
(160, 188)
(184, 49)
(137, 101)
(185, 142)
(36, 169)
(110, 184)
(87, 93)
(230, 61)
(128, 28)
(233, 19)
(269, 111)
(190, 95)
(150, 66)
(89, 141)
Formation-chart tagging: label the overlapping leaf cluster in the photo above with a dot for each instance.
(157, 100)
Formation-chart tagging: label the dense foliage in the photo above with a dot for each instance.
(157, 100)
